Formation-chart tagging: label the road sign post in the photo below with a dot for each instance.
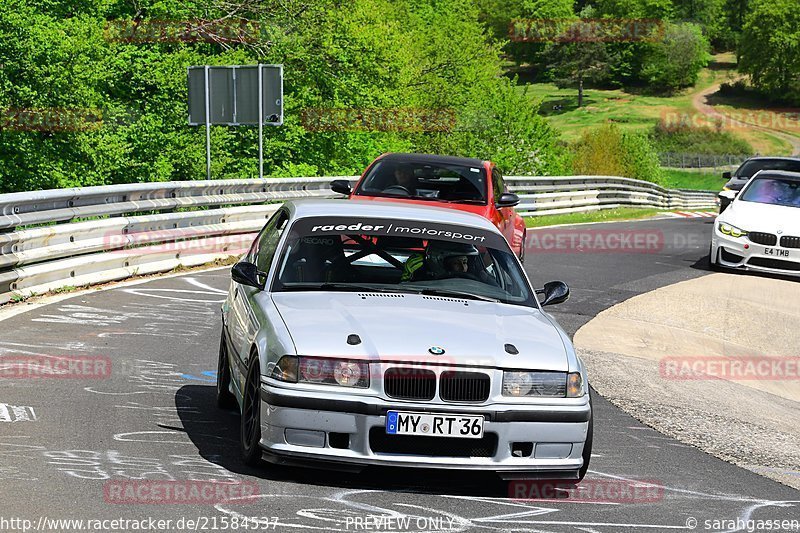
(236, 95)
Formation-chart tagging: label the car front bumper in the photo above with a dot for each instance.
(350, 433)
(740, 253)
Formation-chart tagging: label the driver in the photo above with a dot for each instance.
(404, 177)
(441, 260)
(771, 191)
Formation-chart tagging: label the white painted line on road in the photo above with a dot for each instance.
(16, 413)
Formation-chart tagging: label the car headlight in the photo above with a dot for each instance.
(285, 369)
(544, 384)
(342, 372)
(733, 231)
(726, 188)
(575, 385)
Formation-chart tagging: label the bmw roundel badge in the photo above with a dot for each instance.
(436, 350)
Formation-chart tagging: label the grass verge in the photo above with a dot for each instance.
(685, 179)
(604, 215)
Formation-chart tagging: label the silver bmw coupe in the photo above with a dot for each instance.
(359, 333)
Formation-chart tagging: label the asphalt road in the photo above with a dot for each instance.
(66, 443)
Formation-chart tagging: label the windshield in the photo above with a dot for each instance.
(347, 254)
(749, 168)
(774, 191)
(425, 181)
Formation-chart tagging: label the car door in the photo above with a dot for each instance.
(243, 323)
(504, 216)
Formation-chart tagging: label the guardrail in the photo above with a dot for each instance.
(74, 237)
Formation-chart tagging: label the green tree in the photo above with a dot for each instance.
(608, 151)
(675, 61)
(375, 54)
(708, 14)
(770, 48)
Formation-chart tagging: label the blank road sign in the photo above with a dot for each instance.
(221, 93)
(233, 94)
(247, 95)
(272, 79)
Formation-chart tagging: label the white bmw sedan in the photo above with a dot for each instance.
(761, 228)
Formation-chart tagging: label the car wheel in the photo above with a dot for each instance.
(225, 399)
(250, 434)
(587, 446)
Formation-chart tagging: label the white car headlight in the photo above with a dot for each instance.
(733, 231)
(546, 384)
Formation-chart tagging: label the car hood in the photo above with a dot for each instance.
(404, 327)
(735, 184)
(752, 216)
(478, 209)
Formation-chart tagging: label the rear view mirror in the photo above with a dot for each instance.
(507, 199)
(341, 186)
(245, 273)
(555, 292)
(726, 175)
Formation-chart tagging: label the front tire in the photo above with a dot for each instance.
(587, 446)
(225, 399)
(250, 434)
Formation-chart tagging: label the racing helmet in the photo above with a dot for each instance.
(438, 252)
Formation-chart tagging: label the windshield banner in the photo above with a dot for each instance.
(378, 227)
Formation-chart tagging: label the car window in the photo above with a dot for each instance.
(749, 168)
(267, 241)
(400, 256)
(498, 184)
(425, 181)
(775, 191)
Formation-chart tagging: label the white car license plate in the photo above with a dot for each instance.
(434, 425)
(776, 252)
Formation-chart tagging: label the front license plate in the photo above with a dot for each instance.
(776, 252)
(434, 425)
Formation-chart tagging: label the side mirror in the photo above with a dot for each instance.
(726, 175)
(730, 195)
(245, 273)
(341, 186)
(555, 292)
(507, 199)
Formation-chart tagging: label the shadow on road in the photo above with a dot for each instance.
(215, 433)
(703, 264)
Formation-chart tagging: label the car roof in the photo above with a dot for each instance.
(366, 208)
(784, 174)
(772, 158)
(433, 159)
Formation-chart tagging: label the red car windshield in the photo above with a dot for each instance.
(425, 181)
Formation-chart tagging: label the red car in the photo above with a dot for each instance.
(459, 183)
